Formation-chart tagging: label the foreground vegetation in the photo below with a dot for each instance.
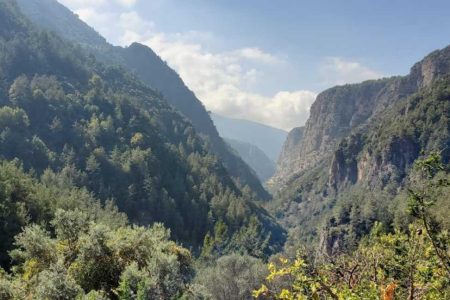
(89, 251)
(106, 192)
(412, 263)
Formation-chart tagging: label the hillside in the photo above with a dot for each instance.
(150, 69)
(62, 110)
(254, 157)
(114, 183)
(266, 138)
(353, 163)
(339, 110)
(288, 157)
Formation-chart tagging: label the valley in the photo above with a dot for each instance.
(117, 182)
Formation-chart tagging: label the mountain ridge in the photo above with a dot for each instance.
(357, 151)
(339, 110)
(101, 129)
(150, 69)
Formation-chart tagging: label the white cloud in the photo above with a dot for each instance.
(257, 55)
(127, 3)
(133, 22)
(218, 80)
(338, 71)
(283, 110)
(100, 21)
(221, 80)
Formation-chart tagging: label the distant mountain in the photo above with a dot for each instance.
(268, 139)
(150, 69)
(263, 166)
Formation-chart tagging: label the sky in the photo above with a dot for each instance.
(266, 60)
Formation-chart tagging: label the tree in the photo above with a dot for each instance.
(85, 257)
(15, 118)
(423, 196)
(232, 277)
(400, 264)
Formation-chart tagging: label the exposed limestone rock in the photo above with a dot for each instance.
(338, 111)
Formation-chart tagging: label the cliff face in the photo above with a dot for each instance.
(340, 110)
(333, 115)
(288, 156)
(377, 153)
(352, 165)
(358, 164)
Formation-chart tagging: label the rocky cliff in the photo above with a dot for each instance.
(378, 152)
(340, 110)
(288, 156)
(357, 151)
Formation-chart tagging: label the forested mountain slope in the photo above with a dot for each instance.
(150, 69)
(354, 161)
(66, 245)
(62, 110)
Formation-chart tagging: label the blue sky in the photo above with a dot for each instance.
(266, 60)
(386, 35)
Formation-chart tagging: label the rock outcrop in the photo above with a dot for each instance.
(289, 155)
(353, 165)
(339, 111)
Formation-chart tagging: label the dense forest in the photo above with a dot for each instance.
(148, 67)
(109, 190)
(63, 111)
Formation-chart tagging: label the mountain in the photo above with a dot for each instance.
(288, 157)
(150, 69)
(255, 158)
(103, 130)
(332, 116)
(354, 162)
(339, 110)
(266, 138)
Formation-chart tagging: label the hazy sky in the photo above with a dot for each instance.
(266, 60)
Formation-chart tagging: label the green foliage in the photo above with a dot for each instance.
(232, 277)
(250, 239)
(151, 70)
(55, 284)
(422, 198)
(25, 200)
(15, 118)
(124, 262)
(367, 178)
(407, 262)
(384, 264)
(66, 113)
(6, 289)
